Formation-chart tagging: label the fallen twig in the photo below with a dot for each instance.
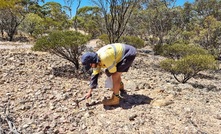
(6, 117)
(11, 126)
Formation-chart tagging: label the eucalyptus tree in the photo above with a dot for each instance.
(90, 20)
(209, 35)
(12, 14)
(69, 3)
(32, 6)
(158, 20)
(137, 25)
(206, 25)
(8, 4)
(189, 16)
(55, 17)
(116, 14)
(33, 24)
(206, 8)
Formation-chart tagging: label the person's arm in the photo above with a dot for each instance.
(93, 81)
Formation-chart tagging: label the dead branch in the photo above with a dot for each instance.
(6, 117)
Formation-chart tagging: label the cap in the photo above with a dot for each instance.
(88, 58)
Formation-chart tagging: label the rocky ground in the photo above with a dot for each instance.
(38, 92)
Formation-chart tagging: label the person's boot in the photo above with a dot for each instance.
(122, 90)
(113, 101)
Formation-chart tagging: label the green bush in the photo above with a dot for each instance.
(132, 40)
(187, 36)
(158, 49)
(188, 66)
(153, 40)
(185, 61)
(104, 40)
(66, 44)
(215, 52)
(177, 51)
(32, 24)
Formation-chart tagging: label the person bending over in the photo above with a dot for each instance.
(115, 59)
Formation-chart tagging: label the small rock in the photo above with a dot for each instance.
(132, 117)
(83, 126)
(25, 126)
(2, 81)
(218, 116)
(162, 102)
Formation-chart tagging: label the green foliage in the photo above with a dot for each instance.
(132, 40)
(209, 36)
(159, 20)
(104, 39)
(33, 24)
(158, 49)
(187, 36)
(55, 18)
(186, 61)
(188, 66)
(89, 20)
(66, 44)
(8, 3)
(11, 17)
(177, 51)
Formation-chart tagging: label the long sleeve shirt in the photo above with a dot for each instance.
(109, 56)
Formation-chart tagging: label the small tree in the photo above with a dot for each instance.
(89, 20)
(10, 19)
(188, 64)
(209, 36)
(33, 24)
(66, 44)
(116, 15)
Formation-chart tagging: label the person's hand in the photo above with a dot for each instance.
(88, 94)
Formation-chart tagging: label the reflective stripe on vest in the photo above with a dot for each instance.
(115, 56)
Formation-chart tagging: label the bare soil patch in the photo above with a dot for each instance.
(38, 91)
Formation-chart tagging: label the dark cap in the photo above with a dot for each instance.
(88, 58)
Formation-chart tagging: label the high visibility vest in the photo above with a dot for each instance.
(109, 56)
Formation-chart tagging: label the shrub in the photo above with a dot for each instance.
(132, 40)
(104, 40)
(177, 51)
(185, 61)
(158, 49)
(188, 66)
(66, 44)
(33, 24)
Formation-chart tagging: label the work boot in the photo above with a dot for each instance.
(113, 101)
(122, 90)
